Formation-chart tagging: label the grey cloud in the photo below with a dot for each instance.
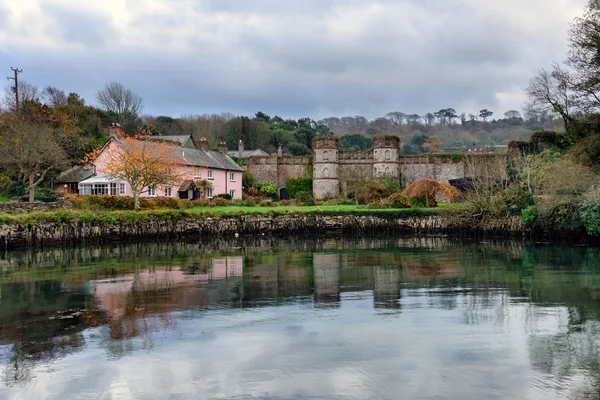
(416, 56)
(80, 25)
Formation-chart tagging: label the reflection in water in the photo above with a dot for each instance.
(338, 311)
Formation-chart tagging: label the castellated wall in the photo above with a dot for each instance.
(332, 169)
(277, 170)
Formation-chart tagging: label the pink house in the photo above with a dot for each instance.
(217, 167)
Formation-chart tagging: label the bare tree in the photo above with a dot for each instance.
(396, 117)
(119, 100)
(54, 96)
(429, 119)
(550, 91)
(29, 151)
(27, 92)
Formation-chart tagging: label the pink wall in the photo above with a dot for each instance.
(221, 179)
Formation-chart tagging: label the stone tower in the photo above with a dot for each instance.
(386, 150)
(326, 181)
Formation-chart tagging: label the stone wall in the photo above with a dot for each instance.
(85, 233)
(293, 167)
(332, 169)
(23, 206)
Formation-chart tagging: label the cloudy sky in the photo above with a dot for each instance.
(312, 58)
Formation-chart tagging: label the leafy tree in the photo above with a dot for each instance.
(263, 116)
(355, 142)
(512, 114)
(396, 117)
(485, 114)
(419, 141)
(429, 118)
(298, 149)
(432, 145)
(30, 150)
(427, 189)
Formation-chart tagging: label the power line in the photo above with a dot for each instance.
(17, 71)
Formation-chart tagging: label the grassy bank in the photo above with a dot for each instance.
(115, 217)
(4, 198)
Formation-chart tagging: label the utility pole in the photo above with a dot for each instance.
(17, 71)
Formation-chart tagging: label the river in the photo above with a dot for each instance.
(321, 318)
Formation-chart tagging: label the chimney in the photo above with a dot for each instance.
(204, 144)
(223, 147)
(241, 149)
(114, 129)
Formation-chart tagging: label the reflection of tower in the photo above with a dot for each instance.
(387, 287)
(385, 156)
(326, 181)
(327, 277)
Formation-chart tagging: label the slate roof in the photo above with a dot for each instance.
(248, 153)
(186, 185)
(208, 159)
(181, 139)
(75, 174)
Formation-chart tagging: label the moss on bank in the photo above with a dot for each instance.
(117, 217)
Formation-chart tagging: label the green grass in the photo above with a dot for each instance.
(116, 217)
(4, 198)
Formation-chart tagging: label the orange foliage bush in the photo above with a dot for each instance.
(427, 189)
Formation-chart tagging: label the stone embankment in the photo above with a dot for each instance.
(77, 233)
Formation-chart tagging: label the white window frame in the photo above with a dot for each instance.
(232, 193)
(210, 193)
(113, 189)
(169, 192)
(210, 174)
(151, 191)
(122, 189)
(232, 177)
(197, 173)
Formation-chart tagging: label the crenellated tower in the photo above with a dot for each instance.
(326, 181)
(386, 150)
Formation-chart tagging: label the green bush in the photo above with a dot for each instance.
(589, 214)
(46, 195)
(225, 196)
(529, 215)
(295, 185)
(267, 189)
(391, 185)
(305, 199)
(5, 182)
(247, 180)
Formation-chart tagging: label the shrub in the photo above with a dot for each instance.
(46, 195)
(5, 182)
(399, 200)
(284, 203)
(163, 202)
(589, 212)
(529, 215)
(428, 189)
(267, 189)
(247, 180)
(225, 196)
(219, 202)
(267, 203)
(391, 185)
(295, 185)
(305, 199)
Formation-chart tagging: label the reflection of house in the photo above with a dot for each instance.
(159, 291)
(68, 181)
(216, 167)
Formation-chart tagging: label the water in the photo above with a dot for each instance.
(317, 319)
